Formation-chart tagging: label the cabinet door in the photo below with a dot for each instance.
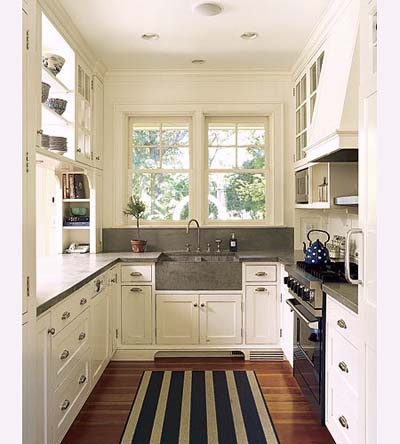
(99, 333)
(113, 309)
(83, 123)
(43, 382)
(262, 315)
(136, 315)
(287, 328)
(221, 319)
(98, 122)
(177, 319)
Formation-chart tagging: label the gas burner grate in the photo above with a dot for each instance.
(333, 272)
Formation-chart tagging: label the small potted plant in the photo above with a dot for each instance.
(136, 208)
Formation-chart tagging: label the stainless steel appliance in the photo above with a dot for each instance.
(302, 182)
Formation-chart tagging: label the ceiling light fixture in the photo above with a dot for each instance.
(207, 8)
(249, 35)
(150, 36)
(198, 61)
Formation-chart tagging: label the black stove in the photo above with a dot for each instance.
(333, 272)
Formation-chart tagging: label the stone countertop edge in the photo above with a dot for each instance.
(286, 257)
(346, 294)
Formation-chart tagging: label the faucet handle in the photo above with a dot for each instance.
(218, 242)
(187, 248)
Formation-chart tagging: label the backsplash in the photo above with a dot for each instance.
(174, 239)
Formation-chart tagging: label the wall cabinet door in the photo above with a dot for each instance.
(177, 319)
(136, 314)
(99, 333)
(83, 124)
(262, 314)
(220, 319)
(98, 122)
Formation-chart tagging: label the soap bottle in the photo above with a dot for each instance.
(233, 246)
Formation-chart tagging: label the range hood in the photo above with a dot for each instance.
(333, 134)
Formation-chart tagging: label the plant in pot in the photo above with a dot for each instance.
(136, 208)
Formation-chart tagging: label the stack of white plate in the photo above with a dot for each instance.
(58, 144)
(45, 141)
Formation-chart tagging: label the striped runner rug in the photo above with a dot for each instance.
(199, 407)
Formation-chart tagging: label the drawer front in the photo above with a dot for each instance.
(342, 412)
(64, 313)
(68, 347)
(260, 273)
(69, 398)
(136, 273)
(343, 321)
(345, 360)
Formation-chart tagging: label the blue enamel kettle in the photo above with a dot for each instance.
(316, 253)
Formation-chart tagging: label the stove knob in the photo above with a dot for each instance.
(306, 294)
(285, 280)
(300, 291)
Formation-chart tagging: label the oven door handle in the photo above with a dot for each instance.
(311, 324)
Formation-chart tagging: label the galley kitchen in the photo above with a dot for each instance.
(197, 223)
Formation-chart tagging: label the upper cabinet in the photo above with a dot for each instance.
(83, 150)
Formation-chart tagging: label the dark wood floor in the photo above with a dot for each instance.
(103, 417)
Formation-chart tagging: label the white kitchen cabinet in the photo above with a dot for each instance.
(177, 318)
(220, 319)
(98, 122)
(262, 314)
(114, 293)
(99, 332)
(136, 314)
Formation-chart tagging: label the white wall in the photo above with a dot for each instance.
(197, 92)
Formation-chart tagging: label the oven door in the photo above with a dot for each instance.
(308, 354)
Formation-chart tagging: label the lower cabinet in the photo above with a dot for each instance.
(262, 314)
(136, 314)
(199, 319)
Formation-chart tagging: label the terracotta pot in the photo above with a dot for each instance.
(138, 246)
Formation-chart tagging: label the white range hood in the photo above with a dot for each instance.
(333, 135)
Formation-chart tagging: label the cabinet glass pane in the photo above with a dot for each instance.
(298, 95)
(320, 62)
(312, 105)
(297, 122)
(303, 117)
(303, 89)
(298, 147)
(313, 78)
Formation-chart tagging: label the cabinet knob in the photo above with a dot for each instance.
(83, 301)
(343, 422)
(78, 150)
(341, 323)
(64, 355)
(82, 336)
(51, 331)
(82, 379)
(136, 290)
(65, 405)
(343, 366)
(202, 305)
(136, 274)
(97, 157)
(40, 131)
(194, 305)
(65, 315)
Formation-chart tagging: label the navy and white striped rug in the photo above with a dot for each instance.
(199, 407)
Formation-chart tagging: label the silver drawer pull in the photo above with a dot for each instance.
(65, 315)
(136, 273)
(65, 405)
(136, 290)
(343, 422)
(341, 323)
(82, 336)
(343, 366)
(82, 379)
(260, 289)
(64, 355)
(261, 273)
(83, 301)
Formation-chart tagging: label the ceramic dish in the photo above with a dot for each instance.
(57, 105)
(45, 91)
(79, 211)
(53, 62)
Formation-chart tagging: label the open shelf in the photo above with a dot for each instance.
(62, 120)
(63, 162)
(56, 85)
(76, 200)
(76, 228)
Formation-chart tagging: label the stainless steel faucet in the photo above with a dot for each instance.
(198, 231)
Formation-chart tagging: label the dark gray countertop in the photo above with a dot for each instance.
(346, 294)
(61, 275)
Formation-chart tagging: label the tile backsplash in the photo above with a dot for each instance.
(174, 239)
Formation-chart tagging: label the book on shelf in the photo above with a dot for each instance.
(73, 186)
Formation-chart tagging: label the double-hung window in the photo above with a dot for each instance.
(238, 170)
(160, 166)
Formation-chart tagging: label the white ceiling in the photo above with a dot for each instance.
(113, 30)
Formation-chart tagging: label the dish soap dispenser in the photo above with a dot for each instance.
(233, 246)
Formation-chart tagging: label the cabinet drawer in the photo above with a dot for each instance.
(68, 346)
(345, 360)
(136, 273)
(64, 313)
(69, 398)
(342, 412)
(260, 273)
(343, 321)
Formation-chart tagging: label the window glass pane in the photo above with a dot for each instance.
(221, 158)
(175, 158)
(236, 196)
(146, 158)
(144, 136)
(221, 136)
(166, 195)
(251, 157)
(175, 136)
(251, 136)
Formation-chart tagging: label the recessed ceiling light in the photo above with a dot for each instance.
(198, 61)
(150, 36)
(208, 8)
(249, 35)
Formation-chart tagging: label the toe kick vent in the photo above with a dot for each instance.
(266, 355)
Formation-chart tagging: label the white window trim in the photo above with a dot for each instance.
(198, 112)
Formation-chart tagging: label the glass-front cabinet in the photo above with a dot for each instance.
(83, 115)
